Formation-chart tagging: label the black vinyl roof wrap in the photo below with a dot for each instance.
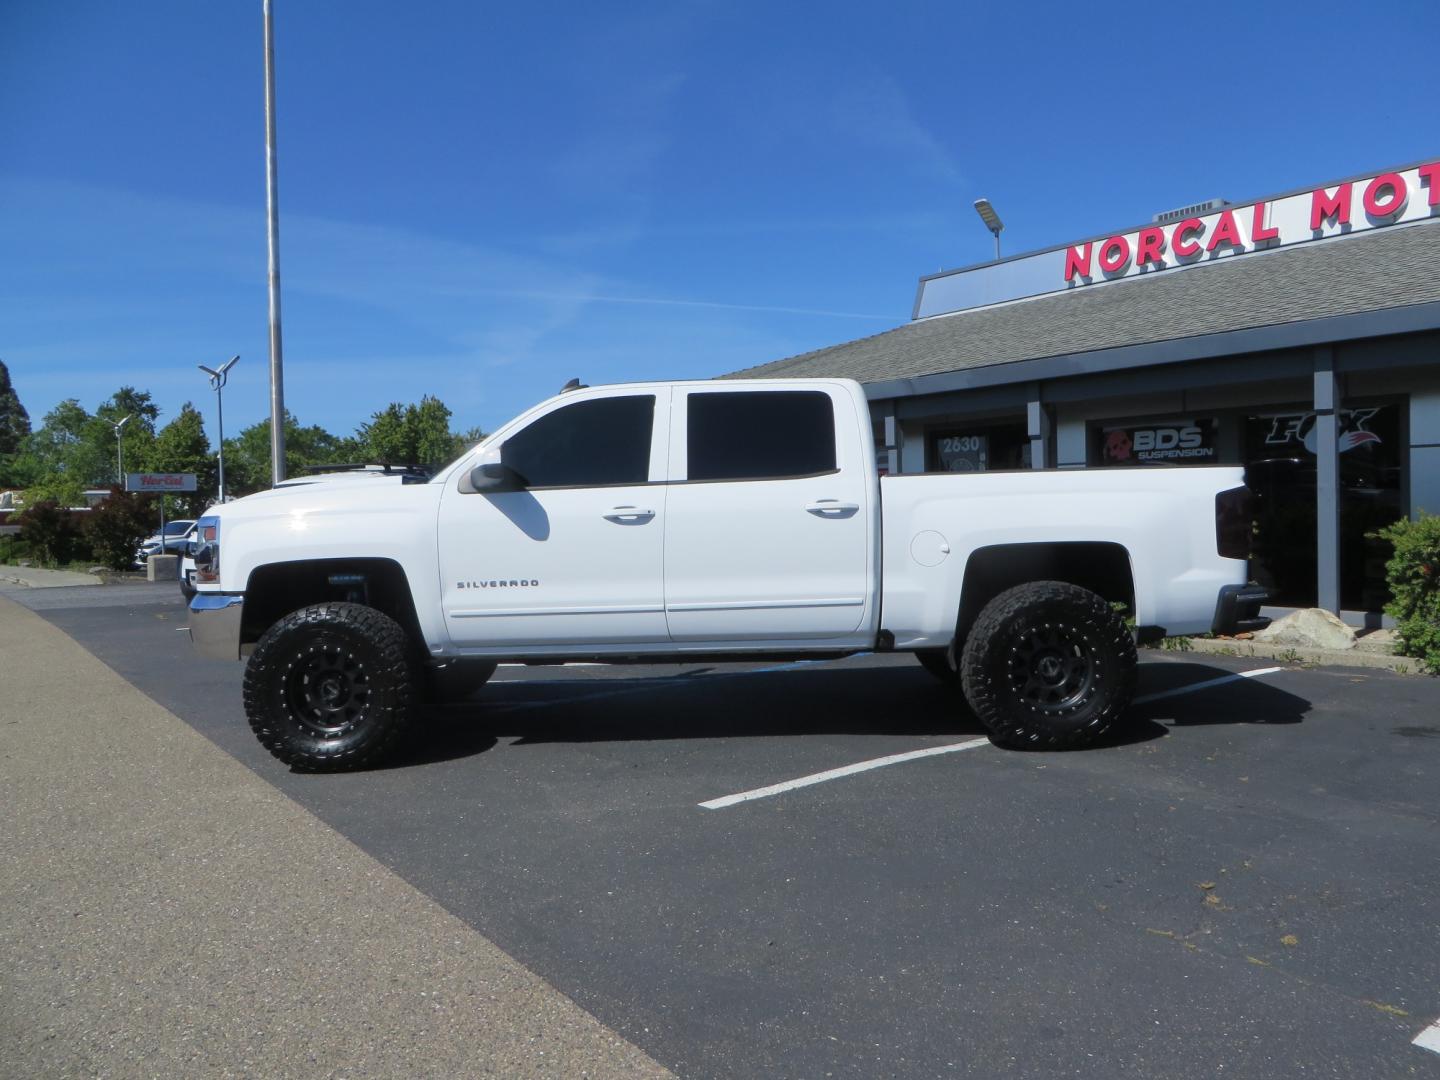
(1384, 269)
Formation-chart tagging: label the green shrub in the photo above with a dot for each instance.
(116, 527)
(49, 530)
(1414, 576)
(13, 549)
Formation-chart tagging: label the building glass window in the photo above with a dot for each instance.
(1281, 470)
(978, 448)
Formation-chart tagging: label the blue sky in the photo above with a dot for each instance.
(479, 201)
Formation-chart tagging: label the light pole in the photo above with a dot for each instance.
(992, 222)
(272, 215)
(217, 383)
(119, 453)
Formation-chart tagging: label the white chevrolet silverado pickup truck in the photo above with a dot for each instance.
(708, 520)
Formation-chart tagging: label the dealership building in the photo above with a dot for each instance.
(1297, 335)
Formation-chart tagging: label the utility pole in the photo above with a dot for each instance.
(218, 378)
(119, 454)
(272, 212)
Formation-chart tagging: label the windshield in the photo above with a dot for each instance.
(178, 528)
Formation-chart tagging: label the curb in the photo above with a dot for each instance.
(1301, 654)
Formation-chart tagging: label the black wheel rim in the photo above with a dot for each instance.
(1052, 669)
(327, 689)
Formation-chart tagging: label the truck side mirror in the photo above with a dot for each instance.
(491, 476)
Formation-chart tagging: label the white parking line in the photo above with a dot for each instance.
(971, 744)
(1429, 1039)
(1221, 681)
(835, 774)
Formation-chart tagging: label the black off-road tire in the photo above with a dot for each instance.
(331, 687)
(1048, 666)
(455, 682)
(937, 663)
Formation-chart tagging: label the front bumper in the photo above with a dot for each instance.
(215, 625)
(1238, 610)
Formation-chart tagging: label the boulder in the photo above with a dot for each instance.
(1313, 628)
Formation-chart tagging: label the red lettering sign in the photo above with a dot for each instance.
(1430, 177)
(1324, 205)
(1150, 246)
(1077, 261)
(1114, 254)
(1258, 232)
(1181, 244)
(1376, 204)
(1226, 232)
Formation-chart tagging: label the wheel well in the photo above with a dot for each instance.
(1103, 568)
(276, 590)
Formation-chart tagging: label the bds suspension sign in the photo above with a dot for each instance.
(162, 482)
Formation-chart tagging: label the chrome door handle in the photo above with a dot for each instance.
(628, 515)
(831, 508)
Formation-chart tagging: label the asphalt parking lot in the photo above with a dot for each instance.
(1244, 884)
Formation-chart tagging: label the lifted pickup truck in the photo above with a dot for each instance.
(714, 520)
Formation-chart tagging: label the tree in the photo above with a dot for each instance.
(247, 457)
(116, 527)
(69, 446)
(138, 434)
(14, 421)
(387, 437)
(181, 447)
(50, 531)
(410, 434)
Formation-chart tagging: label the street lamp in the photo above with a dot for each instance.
(217, 383)
(992, 221)
(119, 453)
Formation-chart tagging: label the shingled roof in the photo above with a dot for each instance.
(1386, 268)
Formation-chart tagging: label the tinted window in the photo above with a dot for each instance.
(760, 434)
(588, 444)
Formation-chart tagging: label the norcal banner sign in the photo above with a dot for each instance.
(1368, 202)
(163, 482)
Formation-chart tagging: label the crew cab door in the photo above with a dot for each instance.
(573, 553)
(770, 524)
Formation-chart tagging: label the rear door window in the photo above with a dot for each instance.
(759, 435)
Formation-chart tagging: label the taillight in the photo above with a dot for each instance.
(1233, 519)
(207, 551)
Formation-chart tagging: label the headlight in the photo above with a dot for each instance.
(206, 551)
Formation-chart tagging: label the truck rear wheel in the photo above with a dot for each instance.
(330, 687)
(1048, 666)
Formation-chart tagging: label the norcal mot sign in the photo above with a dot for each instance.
(1353, 206)
(1356, 205)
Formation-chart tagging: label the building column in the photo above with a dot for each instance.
(890, 461)
(1038, 420)
(1327, 480)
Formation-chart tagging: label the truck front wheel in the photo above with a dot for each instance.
(330, 687)
(1048, 666)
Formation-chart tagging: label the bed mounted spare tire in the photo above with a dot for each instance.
(1048, 666)
(331, 687)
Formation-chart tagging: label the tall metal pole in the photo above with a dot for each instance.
(220, 408)
(218, 377)
(272, 210)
